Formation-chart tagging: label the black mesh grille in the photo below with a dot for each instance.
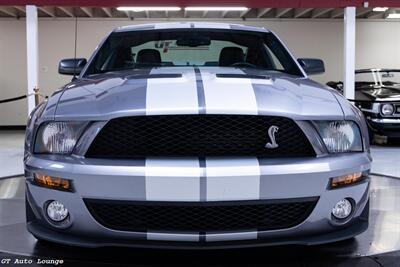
(198, 135)
(201, 216)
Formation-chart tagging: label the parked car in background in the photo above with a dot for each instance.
(377, 94)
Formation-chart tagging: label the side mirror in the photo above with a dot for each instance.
(71, 66)
(312, 65)
(336, 85)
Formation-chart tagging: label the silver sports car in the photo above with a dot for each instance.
(195, 135)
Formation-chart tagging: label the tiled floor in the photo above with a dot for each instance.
(11, 153)
(386, 159)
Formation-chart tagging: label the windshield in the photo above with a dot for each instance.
(379, 77)
(195, 47)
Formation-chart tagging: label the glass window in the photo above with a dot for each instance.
(195, 47)
(175, 55)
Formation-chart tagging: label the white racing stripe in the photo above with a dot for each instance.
(233, 179)
(173, 237)
(172, 179)
(228, 95)
(172, 95)
(180, 179)
(231, 236)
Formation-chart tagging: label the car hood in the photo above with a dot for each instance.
(192, 90)
(382, 93)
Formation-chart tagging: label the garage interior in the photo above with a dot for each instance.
(346, 35)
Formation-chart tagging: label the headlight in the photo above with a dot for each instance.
(387, 109)
(340, 136)
(58, 137)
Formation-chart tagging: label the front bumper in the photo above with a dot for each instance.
(389, 127)
(230, 179)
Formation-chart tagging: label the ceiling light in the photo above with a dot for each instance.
(380, 9)
(215, 8)
(394, 16)
(148, 8)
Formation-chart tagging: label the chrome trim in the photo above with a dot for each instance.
(395, 114)
(271, 134)
(394, 121)
(375, 109)
(87, 138)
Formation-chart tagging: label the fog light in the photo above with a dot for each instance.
(56, 211)
(342, 209)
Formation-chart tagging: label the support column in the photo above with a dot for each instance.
(32, 53)
(349, 51)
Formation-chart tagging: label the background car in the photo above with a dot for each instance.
(378, 96)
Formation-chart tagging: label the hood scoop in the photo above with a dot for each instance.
(154, 76)
(243, 76)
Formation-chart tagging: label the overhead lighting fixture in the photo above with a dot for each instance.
(380, 9)
(148, 8)
(216, 8)
(394, 16)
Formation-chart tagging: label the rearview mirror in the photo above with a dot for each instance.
(193, 41)
(312, 65)
(71, 66)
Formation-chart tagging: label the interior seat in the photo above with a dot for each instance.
(123, 57)
(230, 55)
(148, 56)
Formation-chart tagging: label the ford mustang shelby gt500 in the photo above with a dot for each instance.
(195, 135)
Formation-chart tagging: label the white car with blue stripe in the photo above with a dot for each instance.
(195, 135)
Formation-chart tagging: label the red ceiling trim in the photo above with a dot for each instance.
(184, 3)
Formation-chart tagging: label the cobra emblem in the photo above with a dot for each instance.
(271, 133)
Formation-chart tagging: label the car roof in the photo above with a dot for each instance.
(189, 25)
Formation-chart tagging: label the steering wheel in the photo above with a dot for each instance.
(245, 64)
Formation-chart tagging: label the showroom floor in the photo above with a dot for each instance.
(378, 246)
(11, 153)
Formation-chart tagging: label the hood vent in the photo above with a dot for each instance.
(154, 76)
(243, 76)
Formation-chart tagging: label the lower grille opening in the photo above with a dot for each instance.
(143, 216)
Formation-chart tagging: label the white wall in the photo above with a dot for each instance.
(377, 46)
(12, 71)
